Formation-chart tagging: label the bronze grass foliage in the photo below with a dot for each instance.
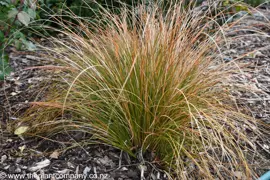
(150, 81)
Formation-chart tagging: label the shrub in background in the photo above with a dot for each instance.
(14, 15)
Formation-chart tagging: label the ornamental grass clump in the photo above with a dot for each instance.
(149, 81)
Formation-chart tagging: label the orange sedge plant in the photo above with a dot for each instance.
(149, 81)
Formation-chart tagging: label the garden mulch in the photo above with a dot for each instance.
(45, 156)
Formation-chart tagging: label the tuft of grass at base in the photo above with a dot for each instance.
(150, 81)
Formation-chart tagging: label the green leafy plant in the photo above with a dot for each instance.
(14, 15)
(150, 83)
